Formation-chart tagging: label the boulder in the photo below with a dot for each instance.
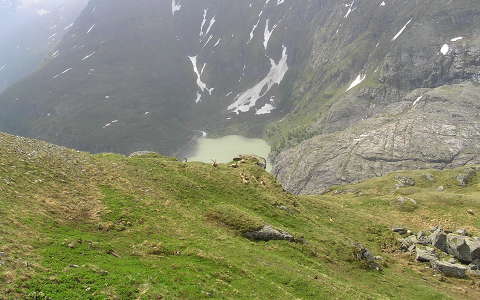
(448, 269)
(429, 177)
(462, 232)
(400, 230)
(438, 239)
(423, 238)
(268, 233)
(463, 248)
(259, 161)
(403, 181)
(425, 255)
(407, 242)
(466, 176)
(405, 200)
(364, 255)
(475, 265)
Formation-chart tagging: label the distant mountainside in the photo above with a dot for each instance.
(147, 75)
(135, 75)
(29, 31)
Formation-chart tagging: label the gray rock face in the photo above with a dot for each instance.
(407, 242)
(363, 254)
(268, 233)
(464, 178)
(463, 248)
(404, 181)
(425, 255)
(449, 269)
(439, 240)
(405, 200)
(400, 230)
(437, 128)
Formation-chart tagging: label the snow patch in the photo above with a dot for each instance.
(266, 109)
(68, 27)
(249, 98)
(252, 32)
(350, 9)
(88, 56)
(202, 85)
(416, 101)
(198, 99)
(267, 34)
(360, 78)
(175, 7)
(59, 74)
(401, 30)
(445, 48)
(91, 28)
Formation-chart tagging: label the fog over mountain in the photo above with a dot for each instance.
(29, 30)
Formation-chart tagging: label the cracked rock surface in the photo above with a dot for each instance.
(430, 128)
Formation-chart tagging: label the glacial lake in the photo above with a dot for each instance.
(224, 149)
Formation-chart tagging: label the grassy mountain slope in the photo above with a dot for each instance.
(81, 226)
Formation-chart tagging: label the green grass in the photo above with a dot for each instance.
(155, 228)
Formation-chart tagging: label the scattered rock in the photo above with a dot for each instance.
(141, 153)
(438, 239)
(259, 161)
(400, 230)
(2, 254)
(466, 176)
(364, 255)
(452, 260)
(448, 269)
(462, 232)
(72, 245)
(74, 266)
(475, 265)
(268, 233)
(404, 200)
(463, 248)
(423, 238)
(425, 255)
(429, 177)
(403, 181)
(440, 188)
(470, 212)
(412, 248)
(407, 242)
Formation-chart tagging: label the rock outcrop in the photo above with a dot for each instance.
(449, 269)
(437, 128)
(453, 254)
(268, 233)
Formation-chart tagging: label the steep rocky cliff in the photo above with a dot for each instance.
(406, 108)
(428, 129)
